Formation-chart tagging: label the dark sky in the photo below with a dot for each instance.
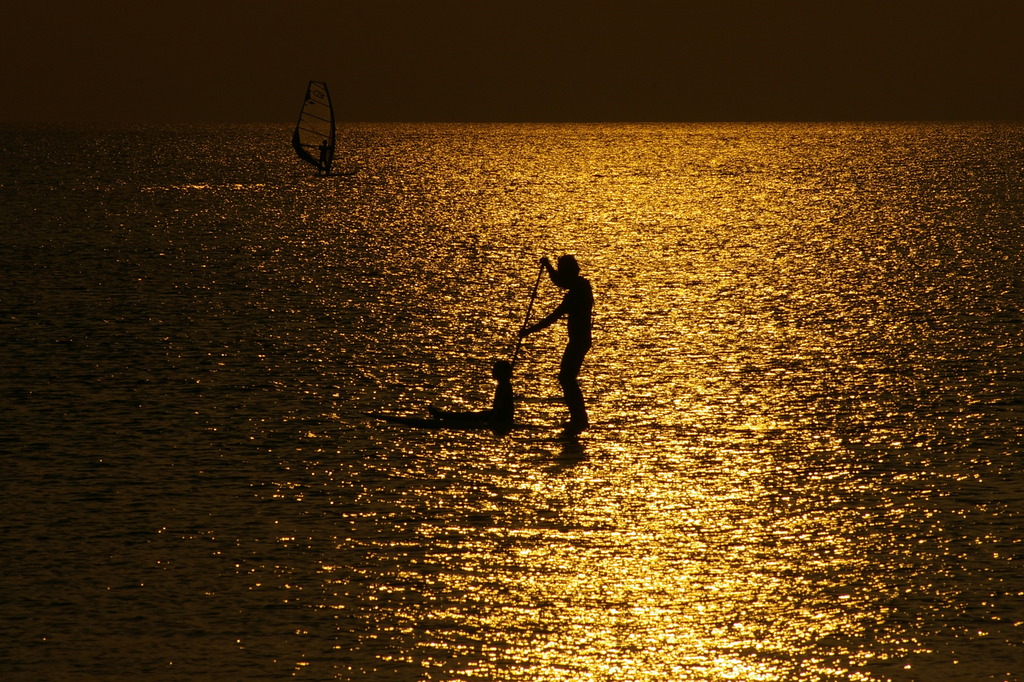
(522, 60)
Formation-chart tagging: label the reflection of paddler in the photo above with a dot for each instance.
(577, 306)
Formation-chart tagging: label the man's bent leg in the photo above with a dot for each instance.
(568, 372)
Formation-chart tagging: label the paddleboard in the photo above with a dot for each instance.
(430, 423)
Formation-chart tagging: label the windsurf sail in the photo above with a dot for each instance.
(314, 132)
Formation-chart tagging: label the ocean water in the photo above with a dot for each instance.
(805, 389)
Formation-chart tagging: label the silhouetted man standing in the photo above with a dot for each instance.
(577, 306)
(326, 152)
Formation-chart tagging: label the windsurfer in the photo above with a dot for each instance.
(325, 158)
(577, 306)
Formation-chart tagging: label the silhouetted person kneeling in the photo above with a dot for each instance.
(577, 306)
(501, 414)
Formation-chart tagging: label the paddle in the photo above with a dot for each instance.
(529, 309)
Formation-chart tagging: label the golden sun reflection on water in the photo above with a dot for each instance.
(731, 516)
(805, 392)
(706, 529)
